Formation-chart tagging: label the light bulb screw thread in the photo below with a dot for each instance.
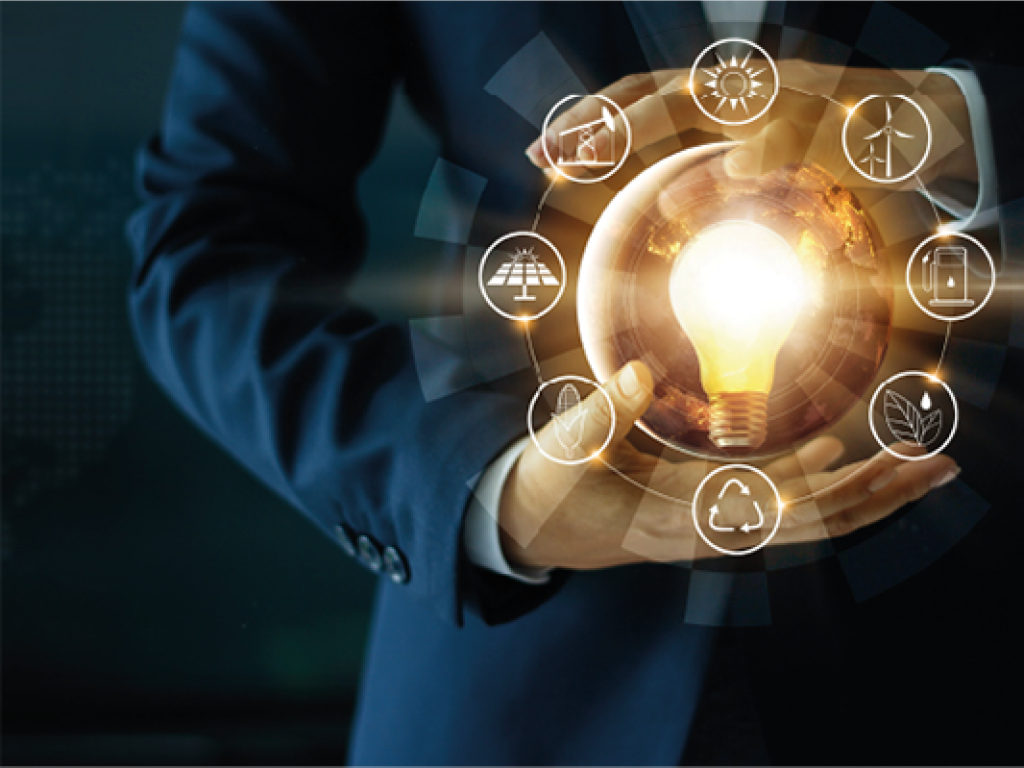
(738, 419)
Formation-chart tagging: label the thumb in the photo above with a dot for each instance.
(630, 390)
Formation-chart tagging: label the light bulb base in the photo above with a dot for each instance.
(739, 419)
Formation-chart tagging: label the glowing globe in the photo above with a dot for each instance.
(761, 306)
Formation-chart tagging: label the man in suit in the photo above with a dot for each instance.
(491, 644)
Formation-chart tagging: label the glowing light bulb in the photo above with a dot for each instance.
(736, 289)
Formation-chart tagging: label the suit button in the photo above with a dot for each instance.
(369, 553)
(345, 540)
(395, 566)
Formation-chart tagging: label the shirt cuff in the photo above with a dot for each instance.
(984, 211)
(481, 535)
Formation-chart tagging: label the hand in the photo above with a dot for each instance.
(799, 127)
(586, 516)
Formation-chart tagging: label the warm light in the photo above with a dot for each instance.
(625, 298)
(736, 289)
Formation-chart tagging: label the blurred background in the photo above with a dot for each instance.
(159, 604)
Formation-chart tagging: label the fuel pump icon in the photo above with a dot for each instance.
(944, 275)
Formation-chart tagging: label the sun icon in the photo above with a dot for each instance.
(734, 83)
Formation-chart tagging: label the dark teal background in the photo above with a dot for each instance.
(160, 605)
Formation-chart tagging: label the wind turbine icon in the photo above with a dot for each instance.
(888, 131)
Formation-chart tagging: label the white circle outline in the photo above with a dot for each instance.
(991, 284)
(547, 153)
(902, 375)
(533, 404)
(483, 261)
(928, 130)
(775, 73)
(723, 550)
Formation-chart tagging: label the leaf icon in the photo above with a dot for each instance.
(902, 417)
(931, 426)
(906, 422)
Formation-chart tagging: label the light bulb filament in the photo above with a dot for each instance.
(736, 289)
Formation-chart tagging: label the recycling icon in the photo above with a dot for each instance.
(744, 491)
(736, 506)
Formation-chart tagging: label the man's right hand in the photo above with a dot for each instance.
(587, 516)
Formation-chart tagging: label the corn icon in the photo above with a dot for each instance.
(570, 418)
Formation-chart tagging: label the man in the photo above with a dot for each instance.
(491, 645)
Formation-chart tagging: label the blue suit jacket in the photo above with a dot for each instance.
(245, 245)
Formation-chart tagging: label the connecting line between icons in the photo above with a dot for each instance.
(789, 503)
(645, 488)
(945, 343)
(928, 197)
(808, 93)
(938, 219)
(540, 205)
(533, 353)
(611, 467)
(526, 326)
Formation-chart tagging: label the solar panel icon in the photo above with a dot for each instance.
(523, 270)
(521, 276)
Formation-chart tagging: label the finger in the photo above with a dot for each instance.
(656, 116)
(780, 143)
(660, 532)
(672, 112)
(822, 494)
(807, 134)
(656, 105)
(623, 93)
(811, 457)
(866, 489)
(630, 391)
(548, 482)
(912, 482)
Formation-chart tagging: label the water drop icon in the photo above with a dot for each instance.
(951, 282)
(926, 402)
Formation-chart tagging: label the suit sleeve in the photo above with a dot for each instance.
(245, 246)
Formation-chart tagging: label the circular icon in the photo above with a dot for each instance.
(887, 151)
(570, 418)
(918, 410)
(523, 286)
(593, 145)
(732, 508)
(940, 281)
(735, 85)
